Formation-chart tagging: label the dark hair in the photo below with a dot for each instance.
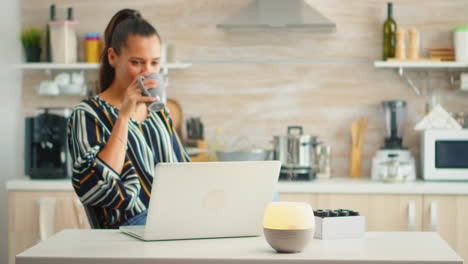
(123, 24)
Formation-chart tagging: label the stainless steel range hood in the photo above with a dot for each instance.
(279, 14)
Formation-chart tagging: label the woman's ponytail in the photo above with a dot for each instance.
(124, 23)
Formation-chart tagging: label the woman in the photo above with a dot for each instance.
(115, 142)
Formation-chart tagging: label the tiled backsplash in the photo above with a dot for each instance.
(254, 83)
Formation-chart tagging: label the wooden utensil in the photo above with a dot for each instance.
(357, 134)
(362, 129)
(354, 132)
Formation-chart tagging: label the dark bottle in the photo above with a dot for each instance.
(48, 49)
(70, 13)
(389, 34)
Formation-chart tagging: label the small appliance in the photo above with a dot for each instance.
(393, 162)
(46, 148)
(296, 152)
(444, 154)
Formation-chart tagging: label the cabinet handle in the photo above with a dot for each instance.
(433, 211)
(46, 217)
(411, 216)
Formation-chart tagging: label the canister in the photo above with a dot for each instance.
(92, 47)
(63, 42)
(461, 43)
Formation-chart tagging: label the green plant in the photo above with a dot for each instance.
(31, 37)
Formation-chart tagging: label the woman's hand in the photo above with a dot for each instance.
(133, 97)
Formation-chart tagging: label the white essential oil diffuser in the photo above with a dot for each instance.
(288, 226)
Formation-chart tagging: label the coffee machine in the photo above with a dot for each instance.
(46, 149)
(393, 161)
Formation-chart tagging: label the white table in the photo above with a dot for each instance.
(111, 246)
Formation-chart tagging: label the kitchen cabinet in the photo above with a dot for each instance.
(447, 215)
(299, 197)
(383, 212)
(387, 207)
(24, 217)
(394, 212)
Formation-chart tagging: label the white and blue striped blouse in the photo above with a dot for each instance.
(118, 197)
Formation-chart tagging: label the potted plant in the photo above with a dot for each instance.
(31, 39)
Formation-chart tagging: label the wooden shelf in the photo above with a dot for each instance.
(86, 66)
(421, 65)
(450, 66)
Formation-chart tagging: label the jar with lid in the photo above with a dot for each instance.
(323, 159)
(394, 170)
(92, 46)
(461, 42)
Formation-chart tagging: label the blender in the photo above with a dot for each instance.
(393, 162)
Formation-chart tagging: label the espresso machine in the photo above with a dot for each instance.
(393, 161)
(46, 148)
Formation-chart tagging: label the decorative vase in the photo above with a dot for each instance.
(33, 54)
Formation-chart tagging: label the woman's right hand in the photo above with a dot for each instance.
(133, 97)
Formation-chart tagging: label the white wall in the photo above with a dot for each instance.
(10, 109)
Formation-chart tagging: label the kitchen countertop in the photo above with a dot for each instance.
(112, 246)
(334, 185)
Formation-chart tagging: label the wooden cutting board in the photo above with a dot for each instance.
(175, 111)
(416, 60)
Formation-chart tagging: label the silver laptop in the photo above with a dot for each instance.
(208, 200)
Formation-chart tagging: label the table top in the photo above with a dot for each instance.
(112, 246)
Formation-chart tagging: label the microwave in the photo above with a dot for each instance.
(444, 155)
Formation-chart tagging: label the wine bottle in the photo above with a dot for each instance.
(51, 18)
(70, 13)
(389, 31)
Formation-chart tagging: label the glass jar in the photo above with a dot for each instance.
(393, 170)
(323, 161)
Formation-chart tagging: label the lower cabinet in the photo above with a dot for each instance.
(36, 215)
(446, 214)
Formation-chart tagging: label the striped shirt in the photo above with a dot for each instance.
(118, 197)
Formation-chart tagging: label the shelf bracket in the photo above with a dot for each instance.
(453, 81)
(409, 81)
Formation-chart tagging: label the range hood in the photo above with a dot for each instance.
(278, 14)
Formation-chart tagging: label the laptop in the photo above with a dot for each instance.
(208, 200)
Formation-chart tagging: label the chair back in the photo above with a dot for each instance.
(91, 213)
